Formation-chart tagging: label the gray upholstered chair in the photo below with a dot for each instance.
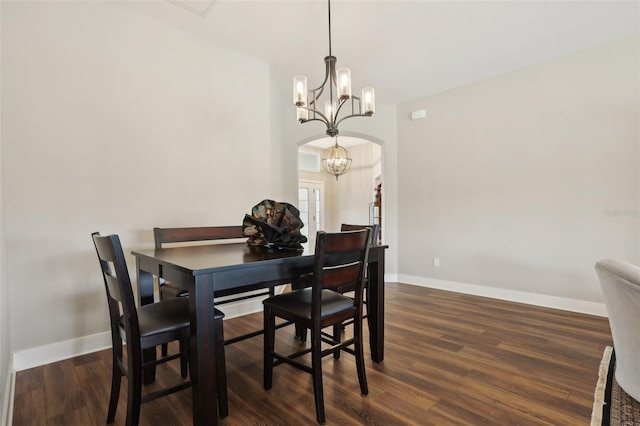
(620, 282)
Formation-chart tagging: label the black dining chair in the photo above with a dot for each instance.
(306, 281)
(146, 327)
(340, 260)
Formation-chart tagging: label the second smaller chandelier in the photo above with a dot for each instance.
(338, 84)
(336, 160)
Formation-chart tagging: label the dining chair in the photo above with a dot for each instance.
(164, 236)
(306, 281)
(373, 239)
(340, 259)
(143, 328)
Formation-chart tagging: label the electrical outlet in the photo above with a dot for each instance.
(436, 262)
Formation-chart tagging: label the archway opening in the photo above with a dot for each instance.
(355, 197)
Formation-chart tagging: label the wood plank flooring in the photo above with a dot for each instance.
(450, 359)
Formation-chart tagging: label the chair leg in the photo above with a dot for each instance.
(184, 357)
(316, 366)
(269, 345)
(221, 371)
(367, 291)
(337, 337)
(165, 350)
(134, 396)
(359, 349)
(149, 373)
(116, 381)
(302, 333)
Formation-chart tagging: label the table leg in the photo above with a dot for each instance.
(202, 351)
(145, 285)
(145, 297)
(375, 308)
(300, 330)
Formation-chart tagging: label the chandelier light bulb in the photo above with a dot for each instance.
(368, 101)
(300, 90)
(330, 110)
(343, 75)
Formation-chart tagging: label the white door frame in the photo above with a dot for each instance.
(313, 186)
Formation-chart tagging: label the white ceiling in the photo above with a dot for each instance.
(404, 49)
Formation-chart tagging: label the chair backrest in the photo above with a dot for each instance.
(620, 282)
(340, 260)
(373, 236)
(191, 234)
(117, 284)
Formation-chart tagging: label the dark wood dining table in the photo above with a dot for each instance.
(211, 270)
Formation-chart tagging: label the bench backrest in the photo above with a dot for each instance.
(199, 233)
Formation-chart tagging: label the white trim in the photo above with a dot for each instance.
(41, 355)
(9, 393)
(34, 357)
(565, 304)
(238, 309)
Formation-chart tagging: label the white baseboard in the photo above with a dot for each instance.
(565, 304)
(8, 396)
(34, 357)
(41, 355)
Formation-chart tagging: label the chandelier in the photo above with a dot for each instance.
(336, 160)
(338, 85)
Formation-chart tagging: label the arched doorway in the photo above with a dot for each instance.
(325, 202)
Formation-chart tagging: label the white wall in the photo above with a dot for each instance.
(117, 123)
(512, 181)
(4, 293)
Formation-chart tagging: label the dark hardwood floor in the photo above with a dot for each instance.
(450, 359)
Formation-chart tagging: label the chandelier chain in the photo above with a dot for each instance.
(329, 7)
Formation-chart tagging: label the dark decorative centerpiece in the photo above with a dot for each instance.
(274, 224)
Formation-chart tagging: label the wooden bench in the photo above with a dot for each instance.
(165, 236)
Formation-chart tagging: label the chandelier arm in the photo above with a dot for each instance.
(314, 119)
(316, 112)
(352, 115)
(314, 99)
(340, 104)
(327, 72)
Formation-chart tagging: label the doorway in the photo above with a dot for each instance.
(311, 205)
(348, 199)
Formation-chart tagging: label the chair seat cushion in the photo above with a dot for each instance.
(298, 303)
(166, 316)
